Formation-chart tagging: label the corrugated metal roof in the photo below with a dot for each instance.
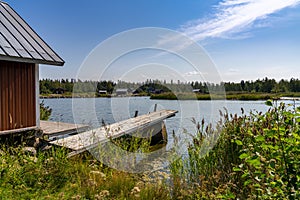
(19, 42)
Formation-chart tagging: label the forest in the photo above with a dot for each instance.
(266, 85)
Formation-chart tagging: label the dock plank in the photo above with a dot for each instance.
(52, 129)
(89, 139)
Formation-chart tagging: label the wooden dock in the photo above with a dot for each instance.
(53, 130)
(140, 124)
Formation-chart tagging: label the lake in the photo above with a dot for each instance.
(93, 111)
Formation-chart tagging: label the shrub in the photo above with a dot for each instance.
(45, 111)
(257, 156)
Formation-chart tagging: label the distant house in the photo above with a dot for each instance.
(102, 92)
(121, 92)
(158, 91)
(21, 52)
(196, 90)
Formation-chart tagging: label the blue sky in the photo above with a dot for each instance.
(246, 39)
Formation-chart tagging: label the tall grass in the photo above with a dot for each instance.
(51, 175)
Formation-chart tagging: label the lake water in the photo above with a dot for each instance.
(93, 111)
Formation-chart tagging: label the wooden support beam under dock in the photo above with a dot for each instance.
(140, 124)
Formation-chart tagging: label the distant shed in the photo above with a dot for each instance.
(121, 91)
(21, 52)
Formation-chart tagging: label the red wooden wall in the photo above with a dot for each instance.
(17, 95)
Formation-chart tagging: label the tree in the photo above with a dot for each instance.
(243, 85)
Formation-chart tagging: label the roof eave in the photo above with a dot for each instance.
(30, 60)
(19, 35)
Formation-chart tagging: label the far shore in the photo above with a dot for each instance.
(186, 96)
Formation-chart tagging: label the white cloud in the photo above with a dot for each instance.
(234, 16)
(233, 70)
(192, 73)
(232, 19)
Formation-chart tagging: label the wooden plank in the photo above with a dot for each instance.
(4, 97)
(10, 97)
(18, 93)
(92, 138)
(32, 104)
(19, 130)
(54, 129)
(1, 98)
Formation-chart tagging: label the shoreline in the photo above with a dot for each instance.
(191, 96)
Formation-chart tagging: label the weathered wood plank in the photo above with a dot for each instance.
(92, 138)
(50, 127)
(53, 130)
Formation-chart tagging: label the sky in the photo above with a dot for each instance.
(244, 39)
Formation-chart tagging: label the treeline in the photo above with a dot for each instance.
(49, 86)
(265, 85)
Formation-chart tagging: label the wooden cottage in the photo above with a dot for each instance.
(21, 52)
(121, 92)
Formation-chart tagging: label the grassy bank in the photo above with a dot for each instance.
(71, 95)
(256, 157)
(84, 95)
(183, 96)
(54, 176)
(229, 96)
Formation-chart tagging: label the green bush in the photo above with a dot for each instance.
(45, 111)
(257, 156)
(270, 154)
